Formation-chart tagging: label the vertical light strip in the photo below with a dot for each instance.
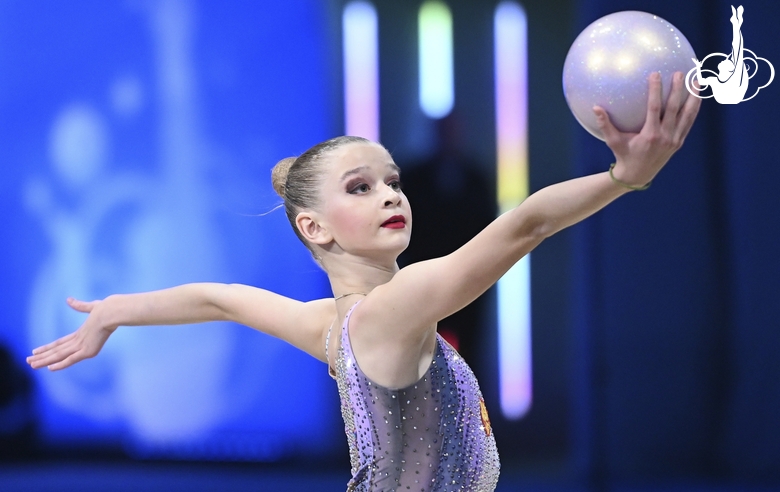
(361, 70)
(514, 288)
(437, 89)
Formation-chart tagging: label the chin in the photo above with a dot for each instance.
(393, 250)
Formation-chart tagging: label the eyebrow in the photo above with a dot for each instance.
(365, 168)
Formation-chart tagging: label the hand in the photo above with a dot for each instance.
(640, 156)
(82, 344)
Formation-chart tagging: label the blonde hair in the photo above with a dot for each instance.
(298, 179)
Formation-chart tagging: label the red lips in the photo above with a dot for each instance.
(395, 221)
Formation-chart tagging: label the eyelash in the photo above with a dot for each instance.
(396, 182)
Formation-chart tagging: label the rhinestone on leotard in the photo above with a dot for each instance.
(428, 437)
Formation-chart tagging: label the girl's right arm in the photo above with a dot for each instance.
(298, 323)
(402, 310)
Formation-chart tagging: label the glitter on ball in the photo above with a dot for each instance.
(609, 63)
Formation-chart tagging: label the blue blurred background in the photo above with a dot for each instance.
(136, 142)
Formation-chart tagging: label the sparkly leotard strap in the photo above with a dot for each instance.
(331, 372)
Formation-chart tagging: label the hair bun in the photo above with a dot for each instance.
(279, 174)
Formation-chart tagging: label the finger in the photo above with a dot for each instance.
(673, 105)
(69, 361)
(687, 117)
(608, 130)
(49, 358)
(53, 356)
(82, 306)
(653, 118)
(54, 344)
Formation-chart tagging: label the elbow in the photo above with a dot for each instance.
(534, 227)
(543, 230)
(539, 227)
(532, 221)
(217, 299)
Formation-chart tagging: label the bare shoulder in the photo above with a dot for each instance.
(426, 292)
(301, 324)
(389, 353)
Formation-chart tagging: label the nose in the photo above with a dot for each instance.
(392, 197)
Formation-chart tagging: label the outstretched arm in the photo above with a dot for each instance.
(298, 323)
(426, 292)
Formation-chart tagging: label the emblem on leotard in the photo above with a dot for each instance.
(485, 419)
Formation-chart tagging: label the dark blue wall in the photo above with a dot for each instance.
(677, 289)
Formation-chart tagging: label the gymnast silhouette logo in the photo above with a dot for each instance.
(730, 84)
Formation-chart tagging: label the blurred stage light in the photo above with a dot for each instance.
(514, 288)
(437, 88)
(361, 70)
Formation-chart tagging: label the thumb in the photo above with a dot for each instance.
(82, 306)
(611, 134)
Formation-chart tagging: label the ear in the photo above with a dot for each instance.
(309, 225)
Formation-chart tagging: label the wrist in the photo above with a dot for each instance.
(107, 312)
(621, 177)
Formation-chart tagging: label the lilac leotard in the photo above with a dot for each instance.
(432, 436)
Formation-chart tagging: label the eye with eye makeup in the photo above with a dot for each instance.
(360, 187)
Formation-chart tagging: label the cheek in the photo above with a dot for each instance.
(350, 222)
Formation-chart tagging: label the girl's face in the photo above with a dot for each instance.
(363, 205)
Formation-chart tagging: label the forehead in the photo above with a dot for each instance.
(356, 155)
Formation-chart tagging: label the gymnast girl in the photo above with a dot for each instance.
(413, 412)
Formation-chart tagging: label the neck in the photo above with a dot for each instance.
(348, 294)
(358, 276)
